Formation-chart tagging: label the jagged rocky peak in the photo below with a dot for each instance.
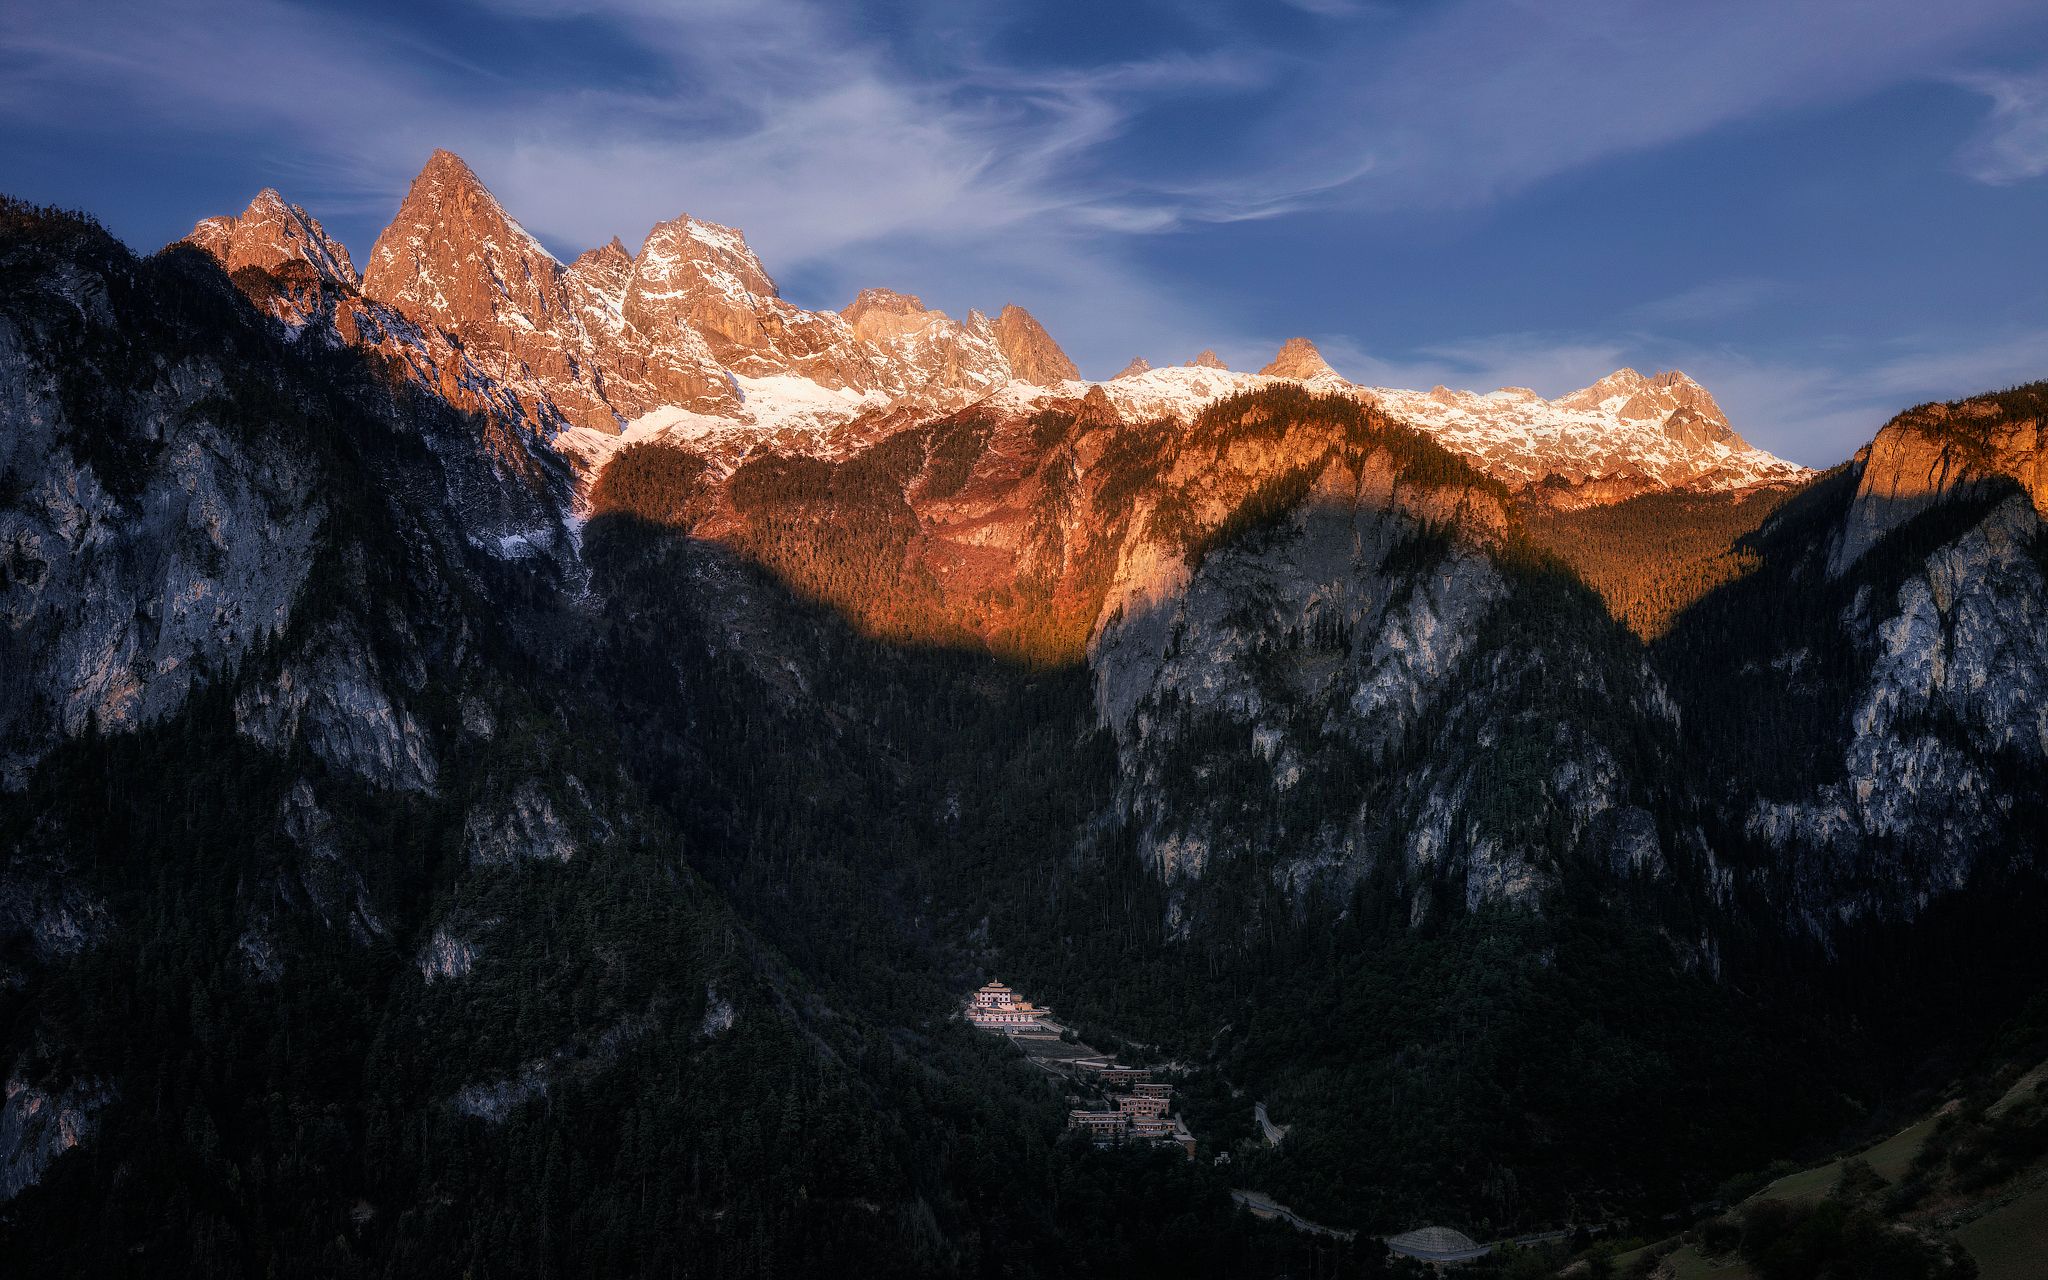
(454, 257)
(609, 260)
(269, 233)
(1634, 398)
(597, 281)
(1098, 409)
(1138, 365)
(1298, 358)
(1616, 386)
(882, 315)
(1624, 434)
(1034, 357)
(1208, 359)
(691, 254)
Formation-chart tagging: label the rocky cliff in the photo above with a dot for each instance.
(414, 780)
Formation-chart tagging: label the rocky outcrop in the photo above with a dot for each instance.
(1311, 659)
(39, 1123)
(1956, 694)
(281, 256)
(1937, 453)
(1138, 365)
(1207, 359)
(1298, 359)
(149, 534)
(1623, 435)
(698, 291)
(533, 822)
(445, 956)
(46, 911)
(336, 698)
(1032, 354)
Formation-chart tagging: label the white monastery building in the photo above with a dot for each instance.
(997, 1007)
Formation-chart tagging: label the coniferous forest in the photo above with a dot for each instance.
(538, 874)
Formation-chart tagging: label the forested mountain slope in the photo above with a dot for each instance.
(361, 948)
(421, 858)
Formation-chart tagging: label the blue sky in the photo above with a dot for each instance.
(1824, 211)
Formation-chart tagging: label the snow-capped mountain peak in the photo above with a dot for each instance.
(1625, 433)
(690, 338)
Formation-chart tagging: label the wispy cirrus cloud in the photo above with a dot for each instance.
(1712, 300)
(917, 147)
(2012, 144)
(1479, 100)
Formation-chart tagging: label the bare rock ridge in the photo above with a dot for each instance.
(564, 338)
(271, 232)
(1033, 355)
(1929, 454)
(602, 341)
(690, 339)
(1623, 435)
(1298, 358)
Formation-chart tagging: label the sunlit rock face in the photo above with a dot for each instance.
(1935, 453)
(1298, 358)
(1030, 351)
(1623, 435)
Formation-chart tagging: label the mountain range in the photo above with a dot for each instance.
(508, 766)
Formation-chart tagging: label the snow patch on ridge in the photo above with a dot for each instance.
(795, 413)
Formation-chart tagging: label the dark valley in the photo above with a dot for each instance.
(513, 768)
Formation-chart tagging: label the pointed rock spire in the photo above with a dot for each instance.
(1034, 357)
(268, 234)
(1298, 358)
(605, 259)
(1207, 360)
(1138, 365)
(454, 257)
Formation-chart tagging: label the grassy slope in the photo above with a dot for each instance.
(1890, 1158)
(2011, 1243)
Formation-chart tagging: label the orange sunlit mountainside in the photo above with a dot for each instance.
(557, 650)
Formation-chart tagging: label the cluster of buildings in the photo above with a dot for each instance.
(1138, 1108)
(1141, 1115)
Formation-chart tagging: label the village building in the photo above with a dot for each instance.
(1158, 1128)
(1102, 1126)
(1143, 1114)
(997, 1008)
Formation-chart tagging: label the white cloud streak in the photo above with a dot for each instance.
(982, 182)
(2012, 144)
